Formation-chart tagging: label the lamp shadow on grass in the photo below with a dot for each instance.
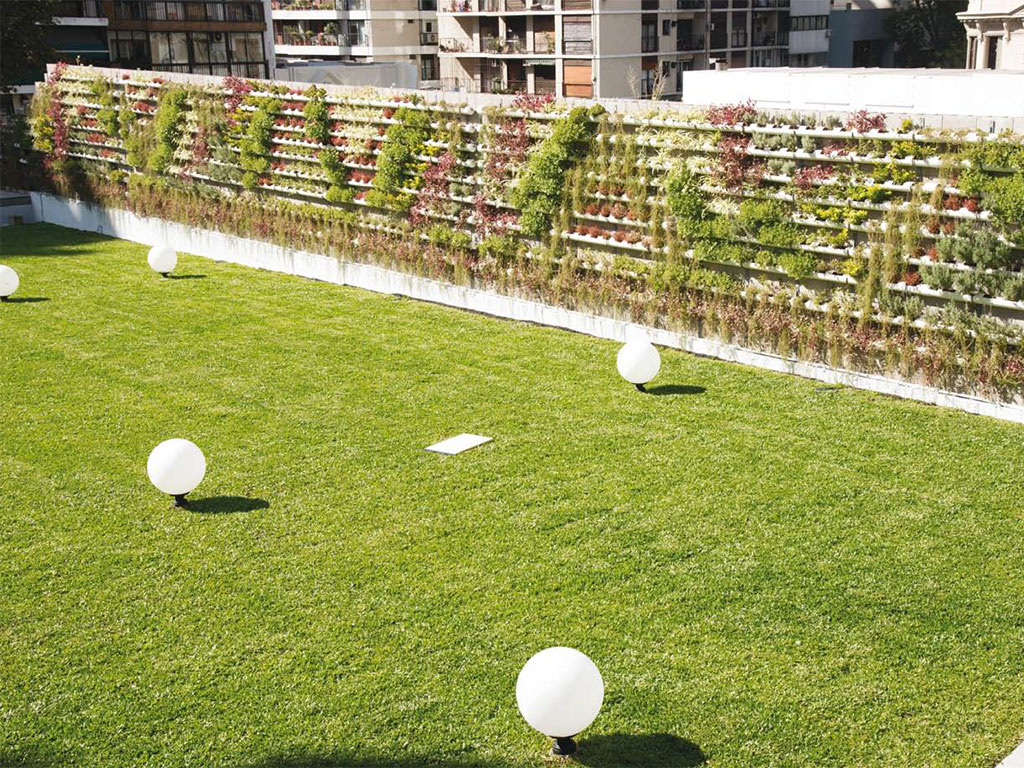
(653, 750)
(675, 389)
(24, 300)
(223, 505)
(186, 277)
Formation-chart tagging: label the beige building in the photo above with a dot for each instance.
(995, 34)
(359, 31)
(613, 48)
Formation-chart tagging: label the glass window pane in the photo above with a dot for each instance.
(179, 47)
(161, 49)
(218, 48)
(200, 47)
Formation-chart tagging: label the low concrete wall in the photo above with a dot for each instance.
(261, 255)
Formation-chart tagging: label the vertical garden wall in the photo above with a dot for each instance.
(851, 242)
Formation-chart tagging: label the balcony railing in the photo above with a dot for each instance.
(321, 38)
(454, 45)
(502, 45)
(689, 43)
(543, 42)
(318, 5)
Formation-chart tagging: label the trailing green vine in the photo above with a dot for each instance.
(539, 192)
(398, 160)
(317, 128)
(170, 116)
(256, 142)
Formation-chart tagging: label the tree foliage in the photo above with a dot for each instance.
(25, 39)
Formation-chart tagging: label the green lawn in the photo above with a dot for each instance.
(768, 572)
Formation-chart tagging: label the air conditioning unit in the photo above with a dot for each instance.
(429, 38)
(828, 33)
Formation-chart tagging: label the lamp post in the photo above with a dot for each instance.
(638, 362)
(162, 258)
(8, 282)
(559, 692)
(176, 467)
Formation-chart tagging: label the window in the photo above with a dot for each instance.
(129, 49)
(648, 34)
(666, 27)
(803, 23)
(168, 48)
(577, 79)
(429, 68)
(577, 36)
(246, 46)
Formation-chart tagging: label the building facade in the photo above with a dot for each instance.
(612, 48)
(859, 37)
(359, 31)
(207, 37)
(995, 34)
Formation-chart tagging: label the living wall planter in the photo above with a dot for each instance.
(841, 230)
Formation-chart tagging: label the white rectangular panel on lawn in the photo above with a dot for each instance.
(458, 444)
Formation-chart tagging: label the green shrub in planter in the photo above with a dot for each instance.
(938, 276)
(687, 202)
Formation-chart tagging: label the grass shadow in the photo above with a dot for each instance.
(25, 300)
(656, 750)
(675, 389)
(186, 277)
(222, 505)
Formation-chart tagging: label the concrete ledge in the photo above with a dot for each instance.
(262, 255)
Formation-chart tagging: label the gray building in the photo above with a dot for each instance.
(858, 34)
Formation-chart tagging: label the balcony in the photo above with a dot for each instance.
(689, 43)
(322, 39)
(455, 45)
(502, 45)
(543, 42)
(318, 5)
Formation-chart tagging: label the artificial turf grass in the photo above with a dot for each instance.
(767, 572)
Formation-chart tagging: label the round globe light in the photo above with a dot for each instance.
(638, 362)
(162, 259)
(8, 281)
(176, 466)
(559, 693)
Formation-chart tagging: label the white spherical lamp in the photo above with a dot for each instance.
(559, 693)
(162, 259)
(638, 362)
(176, 467)
(8, 282)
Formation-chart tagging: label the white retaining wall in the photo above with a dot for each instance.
(254, 253)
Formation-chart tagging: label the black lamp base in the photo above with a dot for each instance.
(164, 274)
(640, 387)
(180, 501)
(564, 746)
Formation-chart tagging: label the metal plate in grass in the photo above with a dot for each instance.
(458, 444)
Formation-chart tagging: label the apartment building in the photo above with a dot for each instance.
(222, 37)
(995, 34)
(359, 31)
(612, 48)
(209, 37)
